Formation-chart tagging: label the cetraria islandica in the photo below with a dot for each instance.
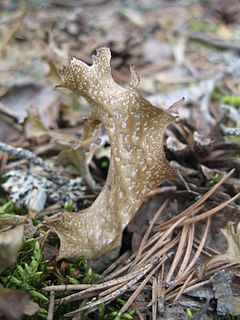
(135, 129)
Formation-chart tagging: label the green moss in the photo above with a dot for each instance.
(231, 317)
(221, 96)
(110, 312)
(32, 272)
(191, 312)
(69, 205)
(214, 181)
(202, 26)
(29, 273)
(231, 100)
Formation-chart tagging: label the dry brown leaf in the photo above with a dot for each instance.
(12, 303)
(78, 158)
(10, 243)
(46, 100)
(72, 150)
(233, 245)
(34, 128)
(233, 242)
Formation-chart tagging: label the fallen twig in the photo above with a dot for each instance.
(219, 43)
(151, 255)
(138, 313)
(116, 263)
(30, 156)
(195, 205)
(187, 252)
(189, 278)
(154, 298)
(51, 306)
(117, 293)
(136, 293)
(105, 285)
(179, 253)
(198, 252)
(209, 213)
(147, 233)
(67, 287)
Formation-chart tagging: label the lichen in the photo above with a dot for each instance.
(135, 128)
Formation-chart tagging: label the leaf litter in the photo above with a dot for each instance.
(179, 248)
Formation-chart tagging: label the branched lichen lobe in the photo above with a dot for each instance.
(135, 128)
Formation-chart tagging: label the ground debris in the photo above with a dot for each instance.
(10, 242)
(173, 46)
(12, 303)
(226, 302)
(22, 185)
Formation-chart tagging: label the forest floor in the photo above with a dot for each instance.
(181, 252)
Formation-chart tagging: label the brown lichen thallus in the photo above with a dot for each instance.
(135, 128)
